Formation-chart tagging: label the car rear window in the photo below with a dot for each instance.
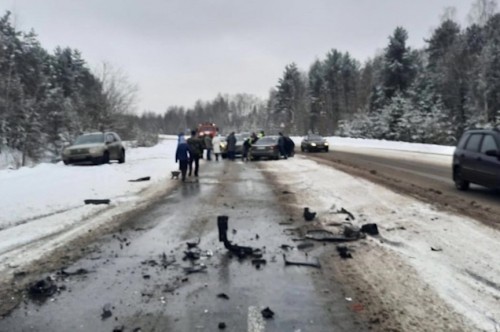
(266, 141)
(473, 142)
(488, 144)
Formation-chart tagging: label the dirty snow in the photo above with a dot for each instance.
(465, 272)
(49, 198)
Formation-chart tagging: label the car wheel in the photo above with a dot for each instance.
(122, 157)
(326, 149)
(105, 158)
(66, 162)
(460, 183)
(302, 148)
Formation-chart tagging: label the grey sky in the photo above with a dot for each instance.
(183, 50)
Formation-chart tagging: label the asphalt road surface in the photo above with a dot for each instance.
(427, 181)
(135, 279)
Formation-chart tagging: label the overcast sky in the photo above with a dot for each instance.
(183, 50)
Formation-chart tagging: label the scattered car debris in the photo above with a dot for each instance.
(146, 276)
(192, 244)
(286, 192)
(344, 211)
(97, 201)
(222, 326)
(42, 289)
(223, 296)
(258, 262)
(175, 175)
(195, 269)
(326, 236)
(371, 229)
(146, 178)
(305, 245)
(436, 249)
(120, 328)
(240, 251)
(286, 247)
(64, 273)
(192, 254)
(306, 262)
(166, 261)
(106, 311)
(267, 313)
(344, 252)
(309, 215)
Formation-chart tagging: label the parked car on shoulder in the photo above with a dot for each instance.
(477, 159)
(96, 148)
(314, 142)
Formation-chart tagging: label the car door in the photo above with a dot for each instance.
(111, 144)
(469, 158)
(489, 166)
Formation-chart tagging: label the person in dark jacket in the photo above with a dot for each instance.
(281, 145)
(196, 150)
(231, 146)
(182, 155)
(247, 144)
(208, 146)
(289, 146)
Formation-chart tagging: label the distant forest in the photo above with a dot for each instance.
(428, 95)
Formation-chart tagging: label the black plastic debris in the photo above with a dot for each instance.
(267, 313)
(146, 276)
(309, 215)
(305, 245)
(258, 262)
(326, 236)
(77, 272)
(302, 262)
(222, 326)
(192, 254)
(344, 252)
(436, 249)
(344, 211)
(42, 289)
(223, 296)
(371, 229)
(106, 311)
(352, 232)
(97, 201)
(166, 261)
(195, 269)
(119, 329)
(240, 251)
(192, 244)
(286, 247)
(146, 178)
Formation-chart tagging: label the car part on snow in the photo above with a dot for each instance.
(42, 289)
(344, 252)
(370, 229)
(175, 175)
(305, 245)
(240, 251)
(436, 249)
(344, 211)
(309, 215)
(195, 268)
(305, 262)
(146, 178)
(326, 236)
(192, 244)
(267, 313)
(97, 201)
(106, 311)
(223, 296)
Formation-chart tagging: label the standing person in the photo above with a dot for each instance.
(281, 145)
(231, 146)
(196, 150)
(261, 134)
(246, 148)
(208, 146)
(289, 146)
(216, 146)
(182, 155)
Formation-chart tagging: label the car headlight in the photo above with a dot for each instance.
(65, 152)
(326, 143)
(313, 144)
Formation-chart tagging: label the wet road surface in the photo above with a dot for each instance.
(135, 280)
(426, 181)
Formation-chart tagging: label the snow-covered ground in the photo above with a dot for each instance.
(464, 269)
(49, 198)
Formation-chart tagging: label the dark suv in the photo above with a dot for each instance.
(477, 159)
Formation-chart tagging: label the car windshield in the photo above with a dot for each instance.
(90, 138)
(267, 141)
(315, 137)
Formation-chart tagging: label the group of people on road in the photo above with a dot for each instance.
(190, 151)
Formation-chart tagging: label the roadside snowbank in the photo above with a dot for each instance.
(464, 271)
(49, 198)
